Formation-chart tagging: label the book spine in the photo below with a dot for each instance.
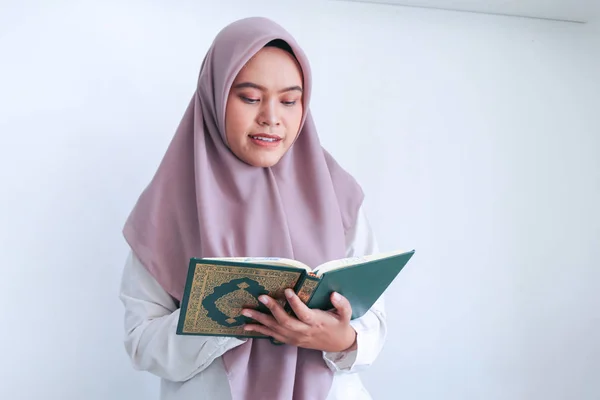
(305, 288)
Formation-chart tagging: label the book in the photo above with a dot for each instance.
(217, 289)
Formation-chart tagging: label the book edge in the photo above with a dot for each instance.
(242, 264)
(375, 258)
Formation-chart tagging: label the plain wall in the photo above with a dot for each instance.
(476, 139)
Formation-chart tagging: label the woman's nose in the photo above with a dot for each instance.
(269, 114)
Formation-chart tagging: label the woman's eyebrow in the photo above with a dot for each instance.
(243, 85)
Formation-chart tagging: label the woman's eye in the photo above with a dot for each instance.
(249, 100)
(289, 103)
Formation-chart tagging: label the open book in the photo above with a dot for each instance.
(217, 289)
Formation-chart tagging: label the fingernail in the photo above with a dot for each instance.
(289, 293)
(263, 299)
(336, 297)
(246, 313)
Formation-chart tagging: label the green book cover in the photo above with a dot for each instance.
(217, 289)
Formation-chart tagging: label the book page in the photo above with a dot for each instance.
(350, 261)
(277, 261)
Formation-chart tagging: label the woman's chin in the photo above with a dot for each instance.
(259, 156)
(263, 159)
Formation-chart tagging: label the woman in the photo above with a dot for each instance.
(245, 175)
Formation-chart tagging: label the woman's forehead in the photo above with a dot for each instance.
(272, 64)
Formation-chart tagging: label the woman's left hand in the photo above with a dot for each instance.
(312, 329)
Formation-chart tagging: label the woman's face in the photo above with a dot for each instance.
(264, 108)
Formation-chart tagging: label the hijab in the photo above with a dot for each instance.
(203, 201)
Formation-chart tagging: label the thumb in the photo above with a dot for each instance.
(342, 306)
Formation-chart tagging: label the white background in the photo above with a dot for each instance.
(476, 139)
(563, 10)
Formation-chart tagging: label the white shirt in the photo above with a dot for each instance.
(190, 367)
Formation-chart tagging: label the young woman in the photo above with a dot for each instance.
(245, 175)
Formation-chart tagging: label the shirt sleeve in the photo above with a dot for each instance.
(151, 317)
(371, 328)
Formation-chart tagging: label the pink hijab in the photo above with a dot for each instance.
(205, 202)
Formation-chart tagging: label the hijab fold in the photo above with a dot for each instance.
(205, 202)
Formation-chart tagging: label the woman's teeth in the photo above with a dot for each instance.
(263, 138)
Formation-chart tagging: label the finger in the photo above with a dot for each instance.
(342, 306)
(262, 318)
(303, 313)
(283, 318)
(265, 331)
